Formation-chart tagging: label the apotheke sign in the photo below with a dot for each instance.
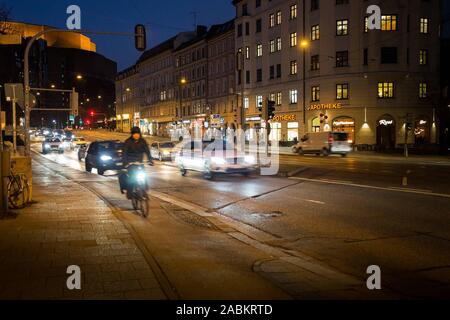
(324, 106)
(285, 117)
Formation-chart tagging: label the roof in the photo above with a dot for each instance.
(219, 29)
(164, 46)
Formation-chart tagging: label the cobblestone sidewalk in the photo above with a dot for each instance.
(70, 226)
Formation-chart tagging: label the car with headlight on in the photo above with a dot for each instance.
(51, 144)
(77, 142)
(104, 156)
(212, 163)
(162, 150)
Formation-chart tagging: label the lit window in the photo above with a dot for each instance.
(293, 39)
(278, 44)
(272, 20)
(342, 27)
(279, 98)
(278, 17)
(294, 68)
(389, 23)
(423, 25)
(385, 90)
(293, 12)
(246, 102)
(342, 91)
(315, 33)
(272, 46)
(293, 96)
(423, 57)
(259, 50)
(315, 93)
(259, 102)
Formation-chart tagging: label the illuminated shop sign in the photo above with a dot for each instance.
(287, 117)
(325, 106)
(343, 123)
(253, 119)
(423, 122)
(386, 122)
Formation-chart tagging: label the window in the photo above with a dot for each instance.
(342, 27)
(423, 25)
(278, 44)
(275, 132)
(259, 50)
(246, 103)
(247, 77)
(292, 131)
(272, 72)
(278, 99)
(315, 93)
(366, 57)
(423, 57)
(247, 53)
(259, 75)
(389, 23)
(293, 42)
(341, 59)
(247, 28)
(272, 46)
(258, 3)
(278, 70)
(272, 20)
(389, 55)
(315, 63)
(342, 91)
(314, 5)
(259, 102)
(272, 97)
(278, 17)
(422, 90)
(293, 96)
(293, 12)
(293, 67)
(244, 10)
(258, 25)
(239, 30)
(385, 90)
(315, 33)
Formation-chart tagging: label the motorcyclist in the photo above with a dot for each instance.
(134, 150)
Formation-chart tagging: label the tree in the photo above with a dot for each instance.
(5, 13)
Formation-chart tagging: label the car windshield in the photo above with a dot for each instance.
(167, 145)
(52, 140)
(340, 136)
(110, 146)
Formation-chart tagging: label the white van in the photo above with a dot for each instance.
(324, 143)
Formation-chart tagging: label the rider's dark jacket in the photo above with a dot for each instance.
(134, 150)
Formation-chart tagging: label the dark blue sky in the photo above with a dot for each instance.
(164, 19)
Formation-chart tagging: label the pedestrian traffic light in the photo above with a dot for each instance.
(270, 109)
(140, 36)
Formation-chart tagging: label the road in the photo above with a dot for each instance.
(332, 217)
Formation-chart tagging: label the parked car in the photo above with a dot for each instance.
(162, 150)
(104, 156)
(324, 143)
(213, 163)
(77, 142)
(52, 144)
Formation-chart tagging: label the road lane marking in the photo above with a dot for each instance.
(314, 201)
(404, 190)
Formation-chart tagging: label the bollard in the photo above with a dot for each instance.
(5, 171)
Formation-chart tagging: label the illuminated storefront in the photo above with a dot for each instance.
(386, 132)
(345, 124)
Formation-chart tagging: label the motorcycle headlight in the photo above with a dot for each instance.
(106, 158)
(217, 160)
(250, 159)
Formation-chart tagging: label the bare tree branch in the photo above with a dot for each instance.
(5, 14)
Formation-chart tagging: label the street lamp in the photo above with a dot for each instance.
(53, 86)
(183, 82)
(79, 77)
(304, 45)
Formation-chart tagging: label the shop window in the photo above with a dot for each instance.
(292, 132)
(275, 132)
(345, 124)
(316, 125)
(422, 130)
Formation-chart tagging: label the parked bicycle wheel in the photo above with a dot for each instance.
(18, 192)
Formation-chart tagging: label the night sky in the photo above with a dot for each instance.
(163, 19)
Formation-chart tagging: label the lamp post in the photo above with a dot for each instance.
(304, 44)
(183, 82)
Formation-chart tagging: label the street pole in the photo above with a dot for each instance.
(1, 120)
(14, 100)
(304, 67)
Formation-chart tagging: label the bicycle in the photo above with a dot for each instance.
(18, 190)
(137, 176)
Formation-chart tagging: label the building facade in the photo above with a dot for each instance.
(327, 71)
(186, 83)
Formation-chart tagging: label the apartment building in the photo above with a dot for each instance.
(326, 70)
(184, 83)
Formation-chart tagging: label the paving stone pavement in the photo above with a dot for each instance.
(68, 225)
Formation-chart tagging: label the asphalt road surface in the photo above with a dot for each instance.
(346, 213)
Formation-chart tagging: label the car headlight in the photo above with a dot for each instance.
(166, 153)
(46, 146)
(106, 158)
(217, 160)
(250, 159)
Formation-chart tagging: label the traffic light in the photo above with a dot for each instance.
(140, 37)
(74, 104)
(92, 113)
(270, 109)
(260, 106)
(409, 126)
